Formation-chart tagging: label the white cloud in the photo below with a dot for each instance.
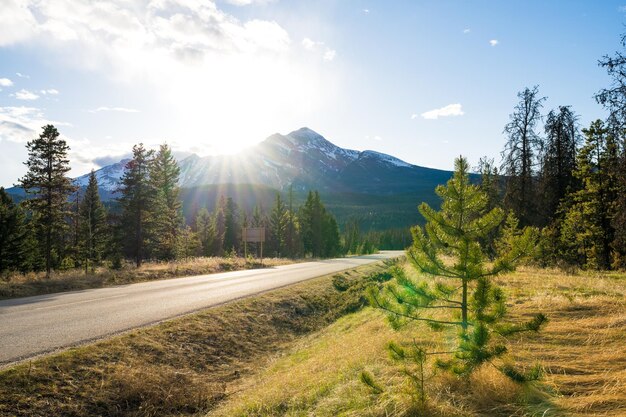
(366, 11)
(49, 91)
(414, 116)
(5, 82)
(622, 9)
(467, 30)
(493, 42)
(20, 124)
(449, 110)
(330, 54)
(114, 109)
(19, 74)
(25, 95)
(308, 44)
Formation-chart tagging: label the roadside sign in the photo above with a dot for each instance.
(253, 234)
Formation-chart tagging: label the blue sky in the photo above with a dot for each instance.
(421, 80)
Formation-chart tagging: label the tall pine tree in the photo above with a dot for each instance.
(13, 235)
(520, 156)
(167, 215)
(587, 232)
(49, 187)
(278, 226)
(558, 161)
(137, 195)
(93, 229)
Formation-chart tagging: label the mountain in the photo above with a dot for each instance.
(378, 189)
(302, 158)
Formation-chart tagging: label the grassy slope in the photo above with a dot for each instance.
(582, 350)
(18, 285)
(180, 367)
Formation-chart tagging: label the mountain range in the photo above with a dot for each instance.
(353, 184)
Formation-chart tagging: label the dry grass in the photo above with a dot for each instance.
(24, 285)
(582, 349)
(180, 367)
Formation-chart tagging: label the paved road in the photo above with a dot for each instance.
(35, 325)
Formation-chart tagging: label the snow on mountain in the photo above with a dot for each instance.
(302, 158)
(108, 177)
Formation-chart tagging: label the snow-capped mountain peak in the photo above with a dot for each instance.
(302, 158)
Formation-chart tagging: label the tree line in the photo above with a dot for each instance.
(570, 182)
(59, 226)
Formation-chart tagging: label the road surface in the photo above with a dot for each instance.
(35, 325)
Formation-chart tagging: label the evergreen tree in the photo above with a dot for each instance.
(311, 220)
(293, 242)
(331, 238)
(49, 187)
(205, 228)
(352, 237)
(137, 195)
(520, 156)
(587, 233)
(167, 215)
(490, 182)
(13, 235)
(558, 160)
(613, 99)
(320, 233)
(278, 225)
(220, 226)
(231, 226)
(462, 286)
(93, 230)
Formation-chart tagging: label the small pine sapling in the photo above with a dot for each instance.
(451, 249)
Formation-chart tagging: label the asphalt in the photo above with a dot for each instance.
(33, 326)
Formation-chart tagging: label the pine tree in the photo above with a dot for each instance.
(278, 225)
(49, 187)
(587, 233)
(331, 238)
(220, 226)
(93, 229)
(613, 99)
(137, 195)
(293, 242)
(231, 226)
(462, 286)
(167, 215)
(205, 227)
(311, 220)
(520, 156)
(558, 160)
(13, 235)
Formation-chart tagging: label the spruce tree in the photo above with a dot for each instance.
(49, 188)
(205, 227)
(93, 228)
(462, 285)
(137, 195)
(231, 226)
(220, 226)
(167, 215)
(558, 161)
(587, 233)
(278, 225)
(293, 242)
(520, 156)
(13, 235)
